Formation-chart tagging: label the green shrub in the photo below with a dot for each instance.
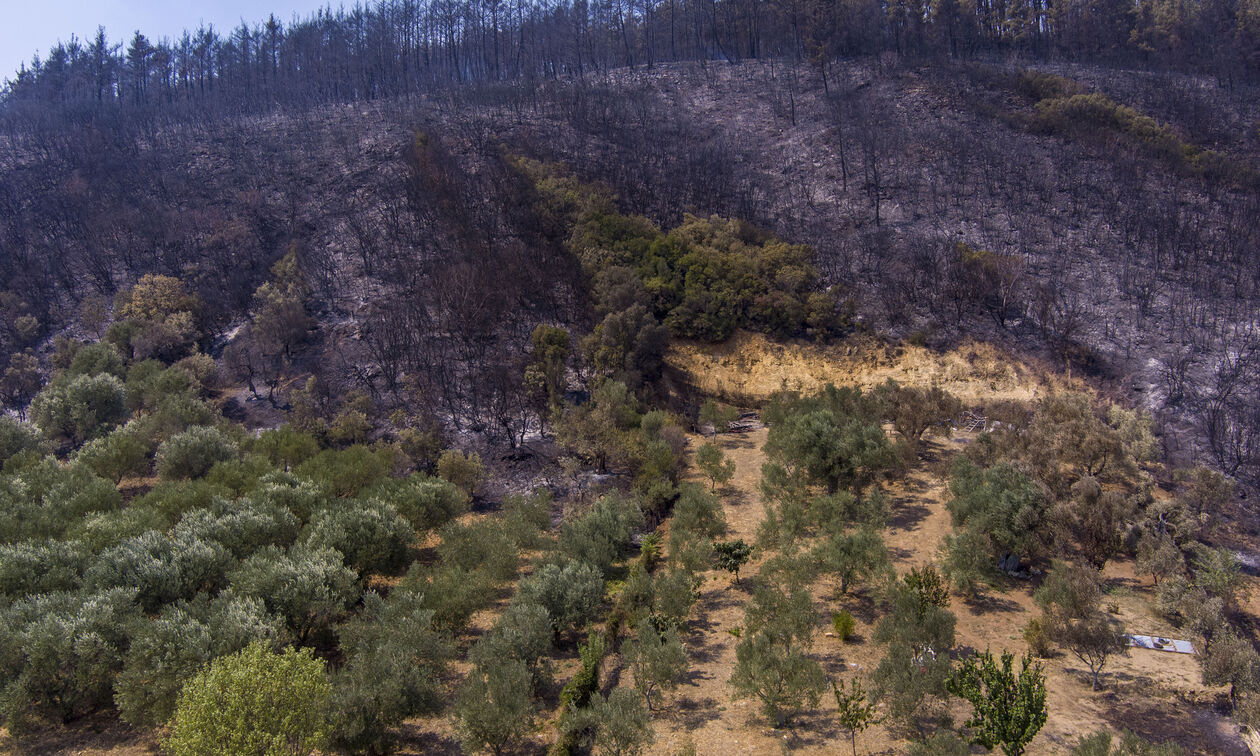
(523, 632)
(843, 624)
(346, 472)
(34, 567)
(452, 593)
(310, 588)
(577, 692)
(1038, 638)
(192, 453)
(59, 653)
(493, 708)
(427, 502)
(371, 535)
(243, 526)
(603, 534)
(169, 650)
(150, 382)
(175, 413)
(464, 470)
(571, 594)
(394, 663)
(100, 358)
(101, 530)
(160, 569)
(240, 475)
(15, 437)
(80, 409)
(44, 499)
(285, 447)
(256, 702)
(172, 498)
(123, 452)
(301, 497)
(483, 545)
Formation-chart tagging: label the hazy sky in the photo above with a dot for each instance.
(33, 26)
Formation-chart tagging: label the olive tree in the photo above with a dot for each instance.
(494, 707)
(394, 662)
(192, 453)
(170, 649)
(371, 535)
(59, 653)
(310, 588)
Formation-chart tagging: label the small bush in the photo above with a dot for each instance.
(843, 624)
(1038, 638)
(464, 470)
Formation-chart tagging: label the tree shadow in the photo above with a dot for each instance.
(415, 740)
(693, 713)
(811, 729)
(1162, 721)
(97, 732)
(735, 441)
(986, 603)
(908, 515)
(861, 604)
(734, 497)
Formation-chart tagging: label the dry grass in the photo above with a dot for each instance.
(749, 367)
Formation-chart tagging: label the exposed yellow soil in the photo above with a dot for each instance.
(749, 367)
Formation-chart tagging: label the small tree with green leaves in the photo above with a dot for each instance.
(394, 663)
(494, 707)
(857, 712)
(1159, 557)
(731, 555)
(254, 702)
(123, 452)
(781, 676)
(1232, 660)
(714, 465)
(929, 585)
(465, 470)
(192, 453)
(1069, 600)
(1009, 710)
(772, 662)
(717, 415)
(571, 594)
(657, 658)
(851, 556)
(625, 728)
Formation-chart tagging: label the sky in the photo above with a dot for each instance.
(33, 26)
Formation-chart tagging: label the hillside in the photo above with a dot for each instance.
(491, 380)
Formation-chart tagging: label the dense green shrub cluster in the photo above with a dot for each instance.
(1067, 111)
(701, 280)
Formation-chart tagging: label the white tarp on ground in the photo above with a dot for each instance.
(1156, 643)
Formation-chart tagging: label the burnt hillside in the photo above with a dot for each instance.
(1101, 217)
